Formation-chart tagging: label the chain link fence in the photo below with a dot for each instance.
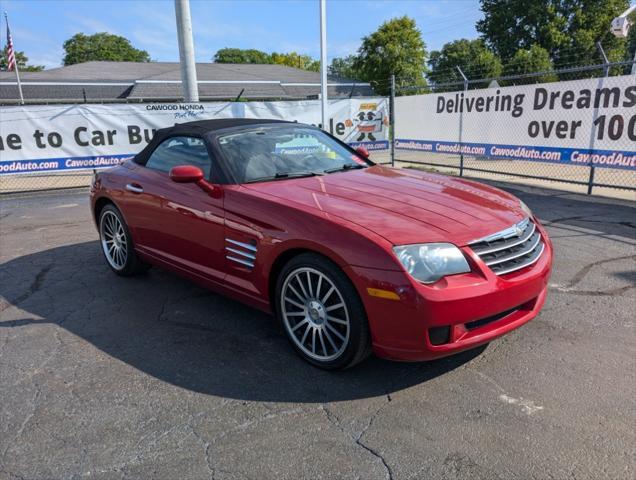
(471, 146)
(466, 156)
(35, 182)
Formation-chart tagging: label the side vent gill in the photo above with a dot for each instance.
(240, 252)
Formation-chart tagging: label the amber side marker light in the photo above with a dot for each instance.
(387, 294)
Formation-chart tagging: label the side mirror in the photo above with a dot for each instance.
(186, 174)
(192, 174)
(363, 152)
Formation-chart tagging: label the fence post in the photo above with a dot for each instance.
(606, 71)
(605, 59)
(461, 126)
(392, 120)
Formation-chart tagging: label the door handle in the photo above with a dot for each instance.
(133, 187)
(185, 211)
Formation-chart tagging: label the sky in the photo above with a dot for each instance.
(39, 27)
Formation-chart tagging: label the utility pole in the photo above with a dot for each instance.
(323, 65)
(186, 51)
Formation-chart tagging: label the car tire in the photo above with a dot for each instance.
(321, 313)
(117, 245)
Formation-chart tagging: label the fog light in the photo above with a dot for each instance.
(439, 335)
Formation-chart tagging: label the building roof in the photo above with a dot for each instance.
(161, 81)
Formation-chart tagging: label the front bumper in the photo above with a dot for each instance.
(457, 313)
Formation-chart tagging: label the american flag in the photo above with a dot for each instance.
(10, 52)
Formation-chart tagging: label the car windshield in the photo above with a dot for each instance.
(270, 153)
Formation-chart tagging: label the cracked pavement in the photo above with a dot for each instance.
(153, 377)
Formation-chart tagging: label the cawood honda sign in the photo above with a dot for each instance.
(582, 122)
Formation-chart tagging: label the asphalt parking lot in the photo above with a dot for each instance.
(153, 377)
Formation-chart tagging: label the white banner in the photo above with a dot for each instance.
(75, 137)
(582, 122)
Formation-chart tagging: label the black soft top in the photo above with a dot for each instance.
(198, 128)
(205, 126)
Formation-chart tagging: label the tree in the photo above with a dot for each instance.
(21, 60)
(567, 29)
(293, 59)
(590, 25)
(472, 56)
(533, 60)
(395, 48)
(511, 25)
(101, 46)
(239, 55)
(344, 68)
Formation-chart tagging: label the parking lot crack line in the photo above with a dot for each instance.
(582, 273)
(206, 450)
(145, 452)
(256, 421)
(34, 287)
(357, 439)
(389, 472)
(23, 425)
(595, 293)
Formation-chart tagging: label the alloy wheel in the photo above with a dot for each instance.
(315, 314)
(113, 238)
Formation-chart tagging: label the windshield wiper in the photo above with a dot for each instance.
(284, 175)
(346, 166)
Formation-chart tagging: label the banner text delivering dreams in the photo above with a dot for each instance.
(566, 99)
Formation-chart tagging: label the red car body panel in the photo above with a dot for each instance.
(404, 206)
(355, 218)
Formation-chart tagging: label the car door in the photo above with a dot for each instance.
(178, 223)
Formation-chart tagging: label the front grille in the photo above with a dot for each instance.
(511, 249)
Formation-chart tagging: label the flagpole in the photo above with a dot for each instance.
(15, 65)
(17, 76)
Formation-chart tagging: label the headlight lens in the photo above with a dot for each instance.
(428, 262)
(525, 209)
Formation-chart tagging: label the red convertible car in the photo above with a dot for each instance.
(350, 256)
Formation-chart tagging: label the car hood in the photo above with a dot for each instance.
(402, 205)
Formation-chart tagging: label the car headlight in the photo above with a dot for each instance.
(428, 262)
(525, 209)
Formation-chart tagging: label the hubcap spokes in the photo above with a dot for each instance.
(315, 314)
(113, 240)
